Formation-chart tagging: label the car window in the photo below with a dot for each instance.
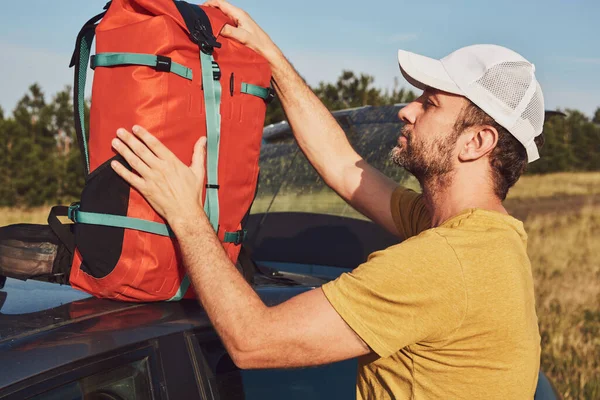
(288, 183)
(227, 382)
(127, 382)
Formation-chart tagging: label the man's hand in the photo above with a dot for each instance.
(172, 188)
(246, 30)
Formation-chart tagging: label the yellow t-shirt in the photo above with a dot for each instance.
(449, 312)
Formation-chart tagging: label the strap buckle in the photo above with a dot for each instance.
(72, 211)
(270, 95)
(205, 39)
(236, 238)
(216, 71)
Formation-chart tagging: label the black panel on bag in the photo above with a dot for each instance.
(100, 246)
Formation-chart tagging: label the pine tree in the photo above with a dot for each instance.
(596, 118)
(32, 150)
(69, 172)
(585, 137)
(7, 195)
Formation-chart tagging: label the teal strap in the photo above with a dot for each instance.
(118, 221)
(79, 60)
(85, 47)
(183, 288)
(212, 101)
(254, 90)
(161, 63)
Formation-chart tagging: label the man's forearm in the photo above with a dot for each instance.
(316, 130)
(231, 304)
(302, 331)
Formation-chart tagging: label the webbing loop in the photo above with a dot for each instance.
(264, 93)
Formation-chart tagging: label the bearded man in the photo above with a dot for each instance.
(447, 313)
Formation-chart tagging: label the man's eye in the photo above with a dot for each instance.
(428, 104)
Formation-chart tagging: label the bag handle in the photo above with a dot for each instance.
(202, 31)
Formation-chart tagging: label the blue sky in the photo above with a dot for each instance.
(323, 37)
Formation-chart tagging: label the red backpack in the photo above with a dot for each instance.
(160, 64)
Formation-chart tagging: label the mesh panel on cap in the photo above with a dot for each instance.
(534, 113)
(506, 86)
(508, 82)
(531, 122)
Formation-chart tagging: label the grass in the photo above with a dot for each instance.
(9, 216)
(561, 213)
(560, 184)
(565, 253)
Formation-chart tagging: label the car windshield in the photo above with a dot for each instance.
(288, 183)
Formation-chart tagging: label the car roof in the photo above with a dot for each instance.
(30, 307)
(44, 326)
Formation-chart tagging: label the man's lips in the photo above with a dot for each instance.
(402, 140)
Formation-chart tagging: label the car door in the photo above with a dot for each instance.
(227, 382)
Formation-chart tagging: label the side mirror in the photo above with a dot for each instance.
(550, 114)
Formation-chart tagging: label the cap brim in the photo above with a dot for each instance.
(423, 72)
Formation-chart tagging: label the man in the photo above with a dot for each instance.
(449, 312)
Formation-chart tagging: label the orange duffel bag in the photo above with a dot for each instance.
(161, 64)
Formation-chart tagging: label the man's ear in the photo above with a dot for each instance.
(478, 142)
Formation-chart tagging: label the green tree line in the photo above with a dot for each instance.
(40, 162)
(39, 159)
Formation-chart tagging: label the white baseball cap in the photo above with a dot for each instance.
(499, 81)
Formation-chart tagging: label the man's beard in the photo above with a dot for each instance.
(430, 163)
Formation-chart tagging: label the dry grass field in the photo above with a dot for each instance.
(561, 213)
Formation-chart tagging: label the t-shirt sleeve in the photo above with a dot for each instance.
(409, 293)
(409, 212)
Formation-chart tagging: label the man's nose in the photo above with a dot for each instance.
(408, 114)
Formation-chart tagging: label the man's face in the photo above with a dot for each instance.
(427, 146)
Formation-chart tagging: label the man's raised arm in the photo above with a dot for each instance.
(318, 134)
